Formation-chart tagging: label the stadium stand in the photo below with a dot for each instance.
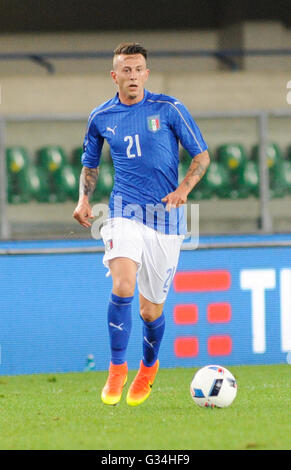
(53, 176)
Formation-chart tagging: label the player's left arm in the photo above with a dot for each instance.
(188, 133)
(194, 174)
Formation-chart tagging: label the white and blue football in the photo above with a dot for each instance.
(213, 386)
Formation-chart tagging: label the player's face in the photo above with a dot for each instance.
(130, 74)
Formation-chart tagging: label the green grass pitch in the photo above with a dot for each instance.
(64, 411)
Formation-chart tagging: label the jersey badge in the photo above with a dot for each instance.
(109, 245)
(154, 123)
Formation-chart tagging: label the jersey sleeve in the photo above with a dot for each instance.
(92, 146)
(186, 129)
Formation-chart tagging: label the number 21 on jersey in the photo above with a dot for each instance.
(130, 146)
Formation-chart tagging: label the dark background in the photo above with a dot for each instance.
(96, 15)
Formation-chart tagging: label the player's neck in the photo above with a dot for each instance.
(129, 101)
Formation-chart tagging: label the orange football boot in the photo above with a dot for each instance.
(117, 378)
(141, 387)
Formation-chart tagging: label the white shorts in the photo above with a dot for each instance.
(155, 253)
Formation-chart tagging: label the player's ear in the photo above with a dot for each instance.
(113, 75)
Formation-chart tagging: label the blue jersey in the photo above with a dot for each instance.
(144, 142)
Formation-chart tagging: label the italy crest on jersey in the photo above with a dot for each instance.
(154, 123)
(109, 245)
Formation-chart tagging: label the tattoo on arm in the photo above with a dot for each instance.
(88, 180)
(196, 170)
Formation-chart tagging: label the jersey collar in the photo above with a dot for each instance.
(117, 101)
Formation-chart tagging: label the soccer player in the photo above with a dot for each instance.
(146, 224)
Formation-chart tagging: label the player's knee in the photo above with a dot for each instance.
(147, 317)
(149, 314)
(123, 287)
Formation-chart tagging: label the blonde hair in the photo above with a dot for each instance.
(130, 48)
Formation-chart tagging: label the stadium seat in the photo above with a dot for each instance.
(274, 161)
(51, 157)
(37, 183)
(67, 183)
(25, 181)
(13, 194)
(61, 178)
(274, 155)
(18, 162)
(280, 183)
(216, 181)
(248, 180)
(17, 159)
(232, 156)
(286, 174)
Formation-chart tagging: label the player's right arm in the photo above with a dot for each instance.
(87, 185)
(92, 147)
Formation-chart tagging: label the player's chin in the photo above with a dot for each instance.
(133, 92)
(132, 96)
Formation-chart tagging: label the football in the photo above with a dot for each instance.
(213, 386)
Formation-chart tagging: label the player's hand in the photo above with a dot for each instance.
(82, 213)
(175, 199)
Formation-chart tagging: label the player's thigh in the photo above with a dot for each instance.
(159, 262)
(122, 239)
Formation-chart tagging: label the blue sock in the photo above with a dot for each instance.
(119, 326)
(152, 336)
